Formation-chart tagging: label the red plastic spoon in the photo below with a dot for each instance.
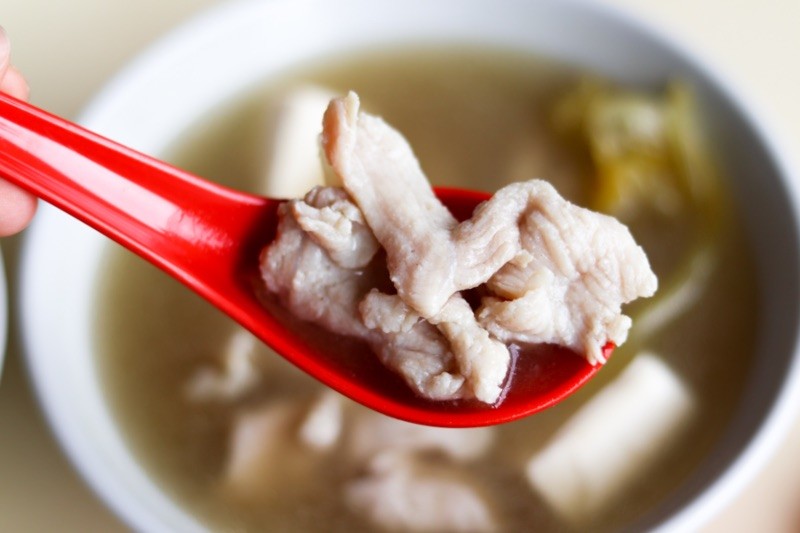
(209, 237)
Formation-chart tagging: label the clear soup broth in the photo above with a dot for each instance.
(475, 119)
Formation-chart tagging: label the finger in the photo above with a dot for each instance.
(14, 84)
(17, 208)
(11, 81)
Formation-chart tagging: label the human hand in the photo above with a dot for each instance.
(16, 206)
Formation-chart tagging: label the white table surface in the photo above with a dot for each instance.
(67, 49)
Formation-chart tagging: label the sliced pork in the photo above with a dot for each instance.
(548, 271)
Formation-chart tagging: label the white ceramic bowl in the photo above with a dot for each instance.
(161, 94)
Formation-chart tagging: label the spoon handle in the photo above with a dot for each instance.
(162, 213)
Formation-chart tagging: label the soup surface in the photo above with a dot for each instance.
(477, 120)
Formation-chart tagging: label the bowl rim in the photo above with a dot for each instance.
(180, 40)
(4, 312)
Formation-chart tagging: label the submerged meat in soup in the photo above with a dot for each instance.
(402, 494)
(550, 271)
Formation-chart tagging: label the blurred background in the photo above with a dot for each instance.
(68, 50)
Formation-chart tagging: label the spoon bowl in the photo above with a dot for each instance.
(209, 237)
